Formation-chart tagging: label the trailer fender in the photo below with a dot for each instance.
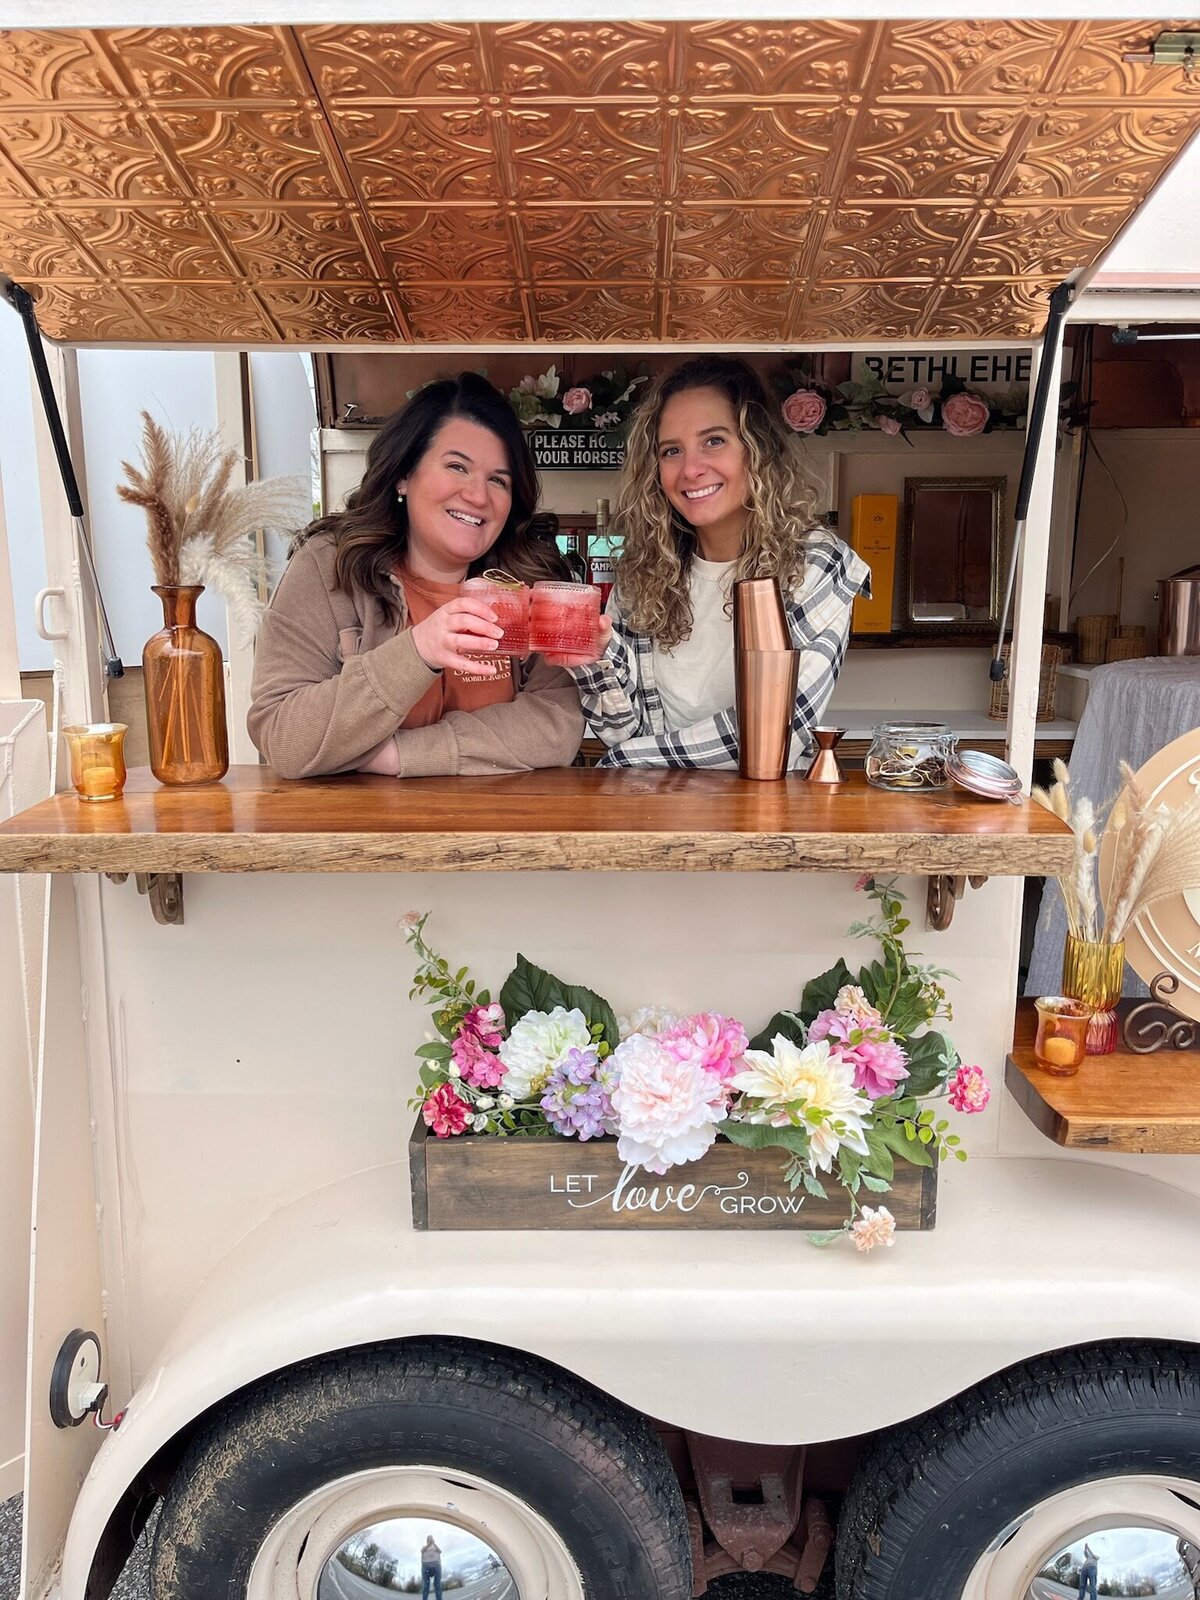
(752, 1336)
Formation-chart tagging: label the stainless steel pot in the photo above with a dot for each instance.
(1179, 613)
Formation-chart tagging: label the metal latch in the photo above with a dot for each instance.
(1169, 50)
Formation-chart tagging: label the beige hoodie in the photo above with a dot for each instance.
(333, 678)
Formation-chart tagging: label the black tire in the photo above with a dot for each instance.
(929, 1496)
(595, 1470)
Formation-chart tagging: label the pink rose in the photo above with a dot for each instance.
(889, 425)
(965, 414)
(919, 400)
(804, 411)
(577, 400)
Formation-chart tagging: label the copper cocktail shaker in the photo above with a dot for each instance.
(766, 667)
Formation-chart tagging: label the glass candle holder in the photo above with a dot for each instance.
(1061, 1041)
(510, 601)
(97, 758)
(1092, 974)
(564, 618)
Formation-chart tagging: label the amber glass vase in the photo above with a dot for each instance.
(1092, 973)
(184, 679)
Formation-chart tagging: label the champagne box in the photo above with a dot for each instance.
(873, 536)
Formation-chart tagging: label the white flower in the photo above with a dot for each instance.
(485, 1102)
(479, 1124)
(649, 1021)
(852, 1002)
(536, 1044)
(874, 1227)
(667, 1110)
(453, 1071)
(506, 1102)
(810, 1088)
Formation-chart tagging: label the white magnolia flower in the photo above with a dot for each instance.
(667, 1110)
(537, 1044)
(808, 1080)
(649, 1021)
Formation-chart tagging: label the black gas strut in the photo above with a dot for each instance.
(1051, 339)
(22, 303)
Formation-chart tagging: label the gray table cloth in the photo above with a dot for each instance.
(1133, 709)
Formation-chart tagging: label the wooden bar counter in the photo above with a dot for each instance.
(562, 819)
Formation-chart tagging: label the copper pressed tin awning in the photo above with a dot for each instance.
(706, 182)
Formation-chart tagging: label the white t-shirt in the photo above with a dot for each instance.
(696, 680)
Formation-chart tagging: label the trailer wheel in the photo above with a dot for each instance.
(976, 1498)
(572, 1493)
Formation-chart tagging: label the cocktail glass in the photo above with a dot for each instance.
(510, 601)
(564, 618)
(97, 758)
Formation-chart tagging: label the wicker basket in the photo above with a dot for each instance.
(1122, 649)
(1094, 633)
(1047, 684)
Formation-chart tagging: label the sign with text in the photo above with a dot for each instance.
(988, 371)
(576, 450)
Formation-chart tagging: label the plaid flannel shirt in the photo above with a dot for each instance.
(621, 701)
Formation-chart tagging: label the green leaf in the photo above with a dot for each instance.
(880, 1158)
(931, 1058)
(823, 1240)
(532, 988)
(814, 1185)
(850, 1167)
(761, 1136)
(434, 1052)
(876, 1185)
(785, 1022)
(821, 992)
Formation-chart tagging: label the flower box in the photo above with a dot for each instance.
(484, 1183)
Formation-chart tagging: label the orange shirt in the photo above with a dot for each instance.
(453, 691)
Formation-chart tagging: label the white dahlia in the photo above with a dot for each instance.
(647, 1020)
(667, 1110)
(537, 1044)
(812, 1088)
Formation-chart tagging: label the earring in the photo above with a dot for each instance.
(399, 497)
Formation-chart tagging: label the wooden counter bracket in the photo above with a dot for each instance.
(945, 890)
(164, 890)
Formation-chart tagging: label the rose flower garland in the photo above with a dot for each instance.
(836, 1084)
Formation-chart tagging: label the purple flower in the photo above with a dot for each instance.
(578, 1096)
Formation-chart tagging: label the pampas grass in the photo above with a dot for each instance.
(202, 531)
(1156, 853)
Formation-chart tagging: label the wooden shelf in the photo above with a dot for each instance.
(572, 818)
(1146, 1105)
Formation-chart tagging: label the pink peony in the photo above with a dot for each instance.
(667, 1109)
(577, 400)
(476, 1065)
(874, 1227)
(712, 1041)
(852, 1002)
(445, 1112)
(880, 1065)
(804, 411)
(969, 1090)
(965, 414)
(889, 425)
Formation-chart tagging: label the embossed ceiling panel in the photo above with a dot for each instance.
(611, 182)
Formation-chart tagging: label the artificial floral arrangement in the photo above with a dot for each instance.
(836, 1084)
(810, 406)
(605, 401)
(201, 528)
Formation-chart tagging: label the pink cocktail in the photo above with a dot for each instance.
(510, 602)
(564, 618)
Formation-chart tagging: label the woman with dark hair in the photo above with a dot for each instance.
(368, 658)
(712, 491)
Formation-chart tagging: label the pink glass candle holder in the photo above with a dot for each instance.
(564, 618)
(510, 602)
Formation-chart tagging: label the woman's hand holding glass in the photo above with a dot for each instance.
(455, 635)
(604, 635)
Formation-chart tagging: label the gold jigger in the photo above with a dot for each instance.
(765, 685)
(759, 620)
(825, 766)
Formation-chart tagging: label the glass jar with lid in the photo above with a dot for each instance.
(909, 755)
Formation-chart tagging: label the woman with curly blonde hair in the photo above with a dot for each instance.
(712, 491)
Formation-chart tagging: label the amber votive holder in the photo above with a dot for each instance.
(1061, 1042)
(97, 751)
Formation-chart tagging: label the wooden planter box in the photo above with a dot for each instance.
(485, 1183)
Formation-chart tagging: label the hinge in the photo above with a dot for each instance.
(1169, 50)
